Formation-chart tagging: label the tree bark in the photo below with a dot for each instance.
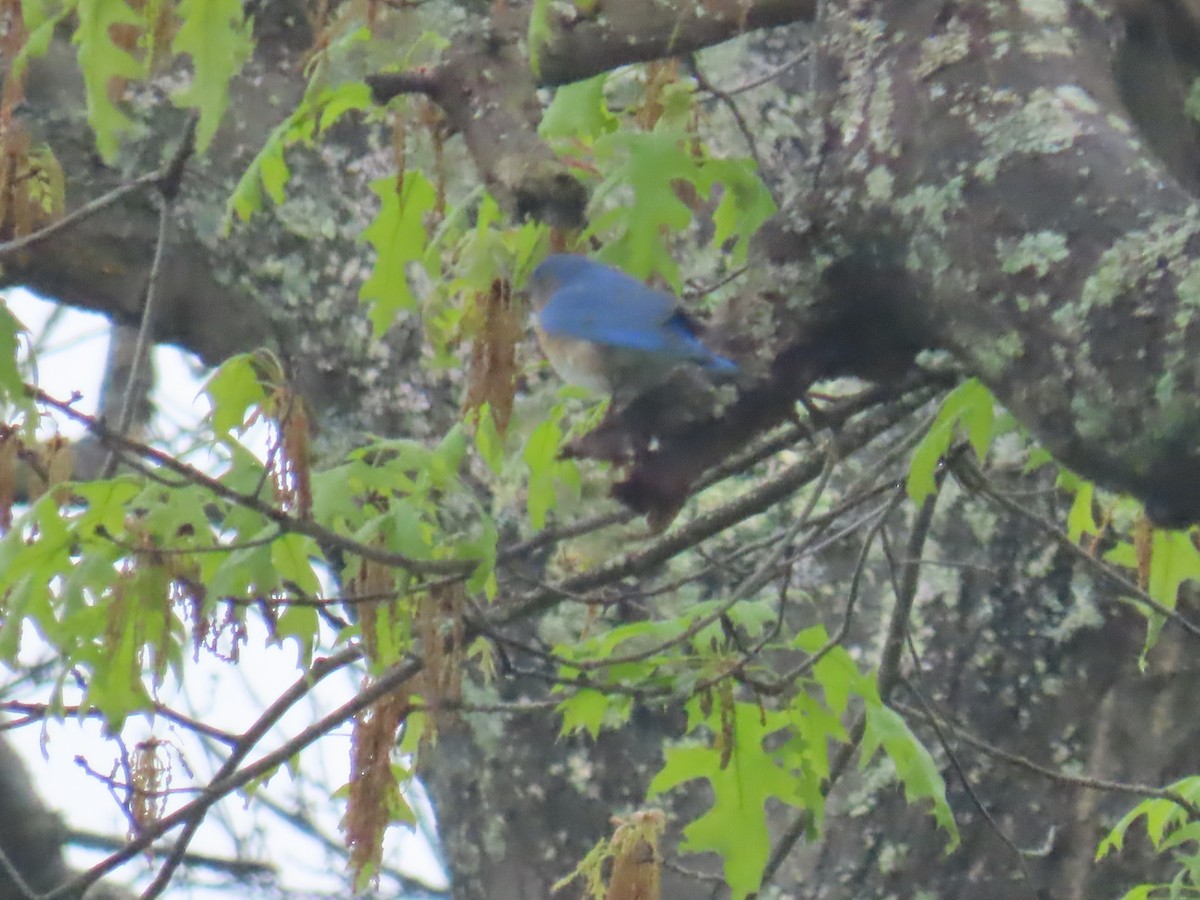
(984, 161)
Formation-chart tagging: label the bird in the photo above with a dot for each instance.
(606, 331)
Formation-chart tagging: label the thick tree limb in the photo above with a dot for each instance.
(32, 839)
(1014, 209)
(631, 31)
(98, 257)
(488, 89)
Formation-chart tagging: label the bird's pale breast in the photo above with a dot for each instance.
(576, 361)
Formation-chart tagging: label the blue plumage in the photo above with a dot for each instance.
(606, 330)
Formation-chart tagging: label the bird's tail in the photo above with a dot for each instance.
(720, 366)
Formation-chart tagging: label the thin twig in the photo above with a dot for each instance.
(14, 873)
(387, 85)
(86, 211)
(893, 646)
(729, 103)
(803, 821)
(564, 531)
(160, 176)
(779, 684)
(1081, 781)
(287, 522)
(760, 498)
(268, 762)
(299, 689)
(747, 588)
(169, 182)
(240, 869)
(141, 358)
(671, 865)
(105, 534)
(959, 769)
(975, 480)
(695, 291)
(39, 712)
(772, 75)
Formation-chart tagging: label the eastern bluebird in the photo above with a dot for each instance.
(606, 331)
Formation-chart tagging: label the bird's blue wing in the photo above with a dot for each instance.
(609, 307)
(598, 305)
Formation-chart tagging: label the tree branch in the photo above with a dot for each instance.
(285, 521)
(632, 31)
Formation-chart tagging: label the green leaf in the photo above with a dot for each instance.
(320, 108)
(101, 61)
(483, 547)
(115, 687)
(1115, 840)
(488, 442)
(1080, 520)
(108, 506)
(638, 634)
(267, 170)
(234, 388)
(335, 102)
(292, 556)
(735, 826)
(540, 455)
(745, 205)
(248, 571)
(836, 671)
(217, 36)
(12, 386)
(1169, 828)
(584, 710)
(398, 236)
(1186, 833)
(41, 18)
(179, 516)
(651, 164)
(392, 635)
(926, 457)
(579, 110)
(406, 530)
(447, 458)
(815, 726)
(302, 623)
(915, 767)
(539, 33)
(335, 501)
(1174, 559)
(970, 406)
(975, 409)
(656, 169)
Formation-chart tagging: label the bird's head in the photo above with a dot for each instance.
(555, 272)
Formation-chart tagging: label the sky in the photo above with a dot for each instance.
(217, 692)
